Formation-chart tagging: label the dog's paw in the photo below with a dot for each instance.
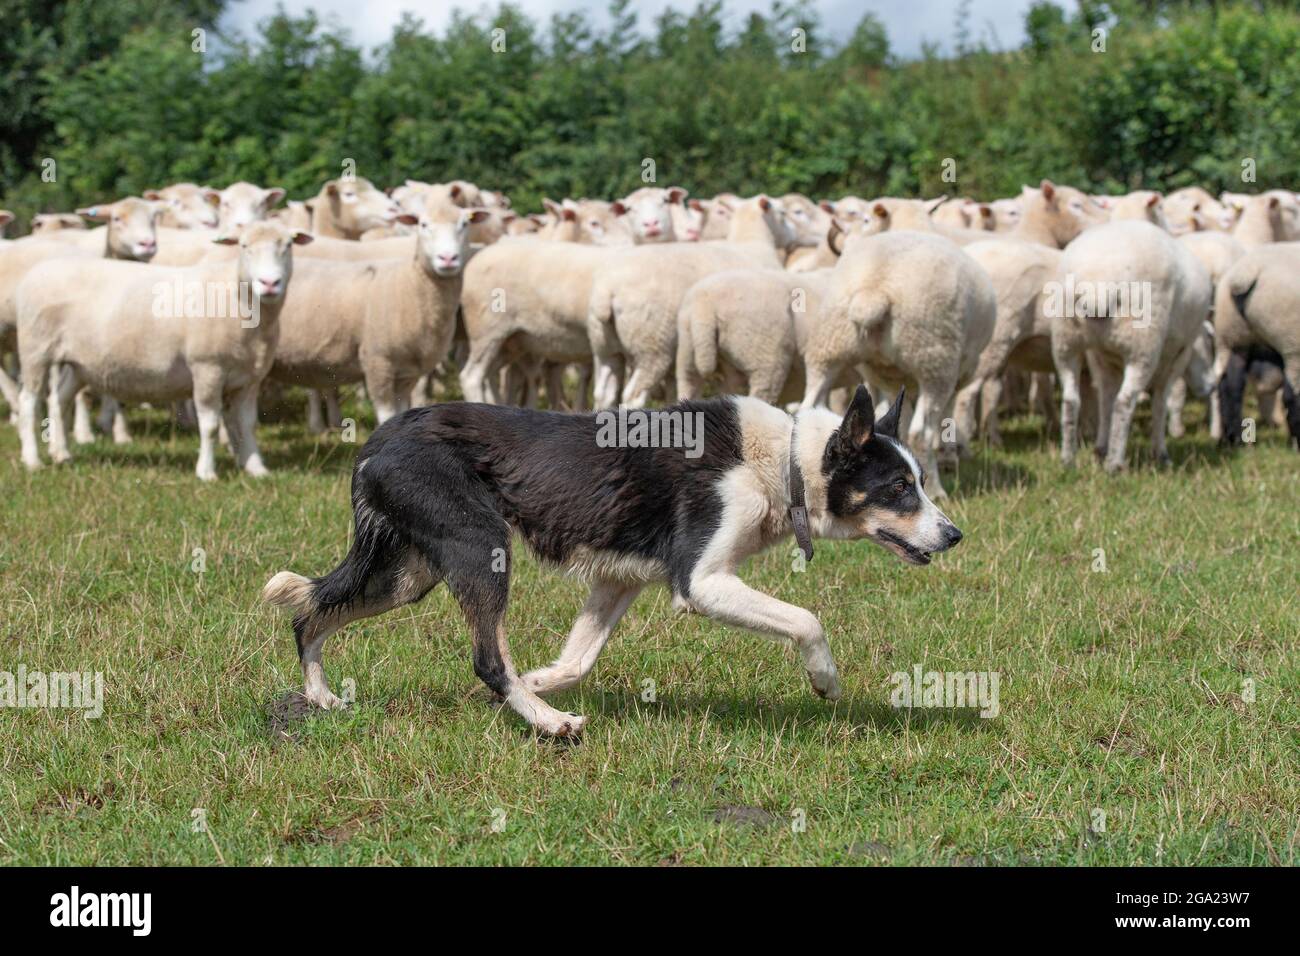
(562, 725)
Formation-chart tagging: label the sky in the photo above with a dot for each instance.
(909, 23)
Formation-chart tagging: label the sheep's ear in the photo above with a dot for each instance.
(676, 194)
(932, 204)
(880, 211)
(827, 206)
(97, 213)
(508, 218)
(764, 203)
(301, 238)
(152, 194)
(226, 240)
(537, 220)
(1049, 189)
(696, 205)
(1274, 202)
(617, 207)
(835, 236)
(332, 188)
(1155, 198)
(212, 196)
(858, 426)
(551, 206)
(454, 191)
(272, 197)
(478, 215)
(986, 211)
(406, 219)
(888, 424)
(502, 199)
(569, 214)
(6, 217)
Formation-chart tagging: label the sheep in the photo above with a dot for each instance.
(186, 206)
(1216, 251)
(528, 297)
(1134, 299)
(749, 326)
(1192, 209)
(345, 208)
(1007, 214)
(130, 233)
(154, 334)
(49, 223)
(914, 309)
(295, 216)
(848, 209)
(964, 213)
(810, 220)
(1273, 216)
(689, 220)
(385, 322)
(1262, 289)
(632, 315)
(1141, 204)
(241, 203)
(600, 223)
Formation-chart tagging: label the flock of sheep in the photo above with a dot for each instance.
(193, 293)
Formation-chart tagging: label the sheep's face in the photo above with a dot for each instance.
(1006, 214)
(598, 223)
(720, 211)
(356, 205)
(132, 226)
(777, 221)
(187, 206)
(443, 237)
(1065, 210)
(809, 220)
(689, 220)
(648, 213)
(875, 487)
(849, 209)
(48, 222)
(1283, 214)
(266, 257)
(242, 203)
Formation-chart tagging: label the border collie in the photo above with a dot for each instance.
(438, 491)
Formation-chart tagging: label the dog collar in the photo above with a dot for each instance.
(798, 504)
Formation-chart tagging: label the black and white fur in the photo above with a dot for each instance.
(438, 491)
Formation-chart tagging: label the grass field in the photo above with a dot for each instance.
(1148, 713)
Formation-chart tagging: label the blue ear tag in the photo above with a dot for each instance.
(93, 212)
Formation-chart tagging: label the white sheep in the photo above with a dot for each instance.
(1133, 300)
(148, 333)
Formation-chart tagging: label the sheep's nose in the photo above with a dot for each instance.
(269, 286)
(449, 262)
(148, 245)
(951, 535)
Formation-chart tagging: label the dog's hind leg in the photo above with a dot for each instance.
(605, 605)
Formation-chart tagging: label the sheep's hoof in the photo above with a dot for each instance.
(1115, 467)
(1163, 460)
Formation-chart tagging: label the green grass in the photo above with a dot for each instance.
(1120, 691)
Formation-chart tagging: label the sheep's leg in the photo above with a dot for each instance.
(818, 381)
(1174, 408)
(1136, 378)
(990, 401)
(474, 372)
(1161, 393)
(381, 383)
(584, 383)
(555, 397)
(1069, 367)
(9, 389)
(1108, 383)
(963, 411)
(82, 432)
(333, 417)
(108, 406)
(121, 431)
(420, 392)
(63, 392)
(923, 436)
(315, 422)
(768, 383)
(208, 396)
(241, 424)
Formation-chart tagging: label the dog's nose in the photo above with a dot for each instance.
(951, 535)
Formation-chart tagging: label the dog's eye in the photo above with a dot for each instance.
(900, 486)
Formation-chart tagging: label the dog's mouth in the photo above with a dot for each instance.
(908, 552)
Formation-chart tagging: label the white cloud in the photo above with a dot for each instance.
(908, 22)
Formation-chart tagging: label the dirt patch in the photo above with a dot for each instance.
(745, 816)
(872, 850)
(285, 713)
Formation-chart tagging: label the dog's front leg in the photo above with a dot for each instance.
(724, 597)
(590, 631)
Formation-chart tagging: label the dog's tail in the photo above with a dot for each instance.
(311, 598)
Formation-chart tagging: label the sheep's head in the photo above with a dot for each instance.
(242, 203)
(132, 226)
(689, 220)
(1283, 214)
(1006, 214)
(442, 237)
(848, 209)
(266, 257)
(355, 205)
(1143, 205)
(841, 234)
(1064, 210)
(47, 222)
(809, 219)
(649, 213)
(187, 206)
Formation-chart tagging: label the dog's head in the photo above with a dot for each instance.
(874, 486)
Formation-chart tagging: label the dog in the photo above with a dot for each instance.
(438, 491)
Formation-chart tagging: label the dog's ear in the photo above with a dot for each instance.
(858, 426)
(888, 424)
